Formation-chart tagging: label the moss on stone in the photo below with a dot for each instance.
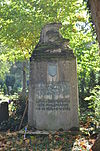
(45, 46)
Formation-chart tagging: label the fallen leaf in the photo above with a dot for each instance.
(9, 134)
(59, 149)
(27, 141)
(82, 143)
(32, 137)
(18, 142)
(8, 143)
(14, 133)
(84, 146)
(92, 141)
(13, 149)
(50, 136)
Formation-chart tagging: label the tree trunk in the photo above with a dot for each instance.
(95, 13)
(24, 79)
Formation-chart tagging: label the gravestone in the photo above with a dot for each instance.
(53, 92)
(4, 114)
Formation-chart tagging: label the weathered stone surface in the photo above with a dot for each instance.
(53, 93)
(4, 111)
(50, 33)
(48, 48)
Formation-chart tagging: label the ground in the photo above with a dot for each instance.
(11, 139)
(60, 141)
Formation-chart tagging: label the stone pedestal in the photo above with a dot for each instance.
(53, 92)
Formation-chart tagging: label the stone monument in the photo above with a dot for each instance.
(53, 91)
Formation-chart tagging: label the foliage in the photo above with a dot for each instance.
(94, 104)
(16, 109)
(3, 98)
(4, 67)
(21, 22)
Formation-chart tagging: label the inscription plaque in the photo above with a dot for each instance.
(53, 96)
(52, 69)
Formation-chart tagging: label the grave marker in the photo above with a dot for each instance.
(53, 92)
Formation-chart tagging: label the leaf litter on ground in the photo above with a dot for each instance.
(56, 142)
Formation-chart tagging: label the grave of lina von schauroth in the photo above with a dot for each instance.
(53, 90)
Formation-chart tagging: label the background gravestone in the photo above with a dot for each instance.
(53, 92)
(4, 114)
